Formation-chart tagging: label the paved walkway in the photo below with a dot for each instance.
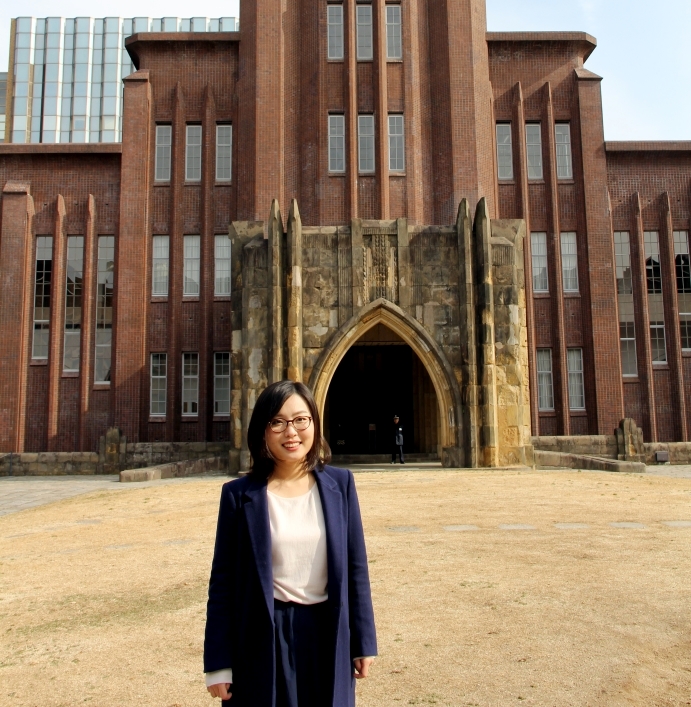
(20, 492)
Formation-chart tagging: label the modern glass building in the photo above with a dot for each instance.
(65, 78)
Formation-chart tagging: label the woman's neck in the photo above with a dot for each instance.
(288, 471)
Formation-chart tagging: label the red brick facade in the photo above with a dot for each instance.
(275, 85)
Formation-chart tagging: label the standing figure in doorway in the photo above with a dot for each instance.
(397, 440)
(289, 620)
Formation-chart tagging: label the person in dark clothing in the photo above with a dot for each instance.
(397, 440)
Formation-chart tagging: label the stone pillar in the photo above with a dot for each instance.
(466, 300)
(357, 263)
(276, 275)
(403, 259)
(486, 358)
(629, 441)
(16, 280)
(294, 294)
(113, 456)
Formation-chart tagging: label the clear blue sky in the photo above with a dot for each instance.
(643, 48)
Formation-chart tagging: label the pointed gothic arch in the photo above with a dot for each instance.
(384, 312)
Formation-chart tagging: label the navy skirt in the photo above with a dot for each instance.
(305, 644)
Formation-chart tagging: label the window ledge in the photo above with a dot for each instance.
(162, 184)
(221, 418)
(541, 295)
(578, 413)
(367, 174)
(661, 366)
(334, 61)
(189, 418)
(337, 174)
(686, 353)
(221, 298)
(566, 181)
(547, 413)
(536, 181)
(159, 298)
(70, 374)
(394, 61)
(397, 174)
(39, 362)
(575, 295)
(507, 182)
(101, 386)
(631, 379)
(157, 418)
(190, 298)
(198, 183)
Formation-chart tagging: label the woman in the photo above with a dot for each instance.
(289, 617)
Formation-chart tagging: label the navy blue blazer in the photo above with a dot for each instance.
(239, 617)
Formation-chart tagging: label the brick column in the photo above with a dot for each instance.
(604, 322)
(350, 73)
(16, 283)
(671, 305)
(381, 102)
(644, 354)
(132, 260)
(57, 323)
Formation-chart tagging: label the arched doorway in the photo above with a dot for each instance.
(390, 379)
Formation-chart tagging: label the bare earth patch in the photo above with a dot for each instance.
(490, 589)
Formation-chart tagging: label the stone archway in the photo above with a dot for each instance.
(384, 312)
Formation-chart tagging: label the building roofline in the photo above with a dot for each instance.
(648, 146)
(140, 37)
(61, 148)
(574, 37)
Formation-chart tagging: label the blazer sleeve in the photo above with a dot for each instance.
(363, 637)
(217, 636)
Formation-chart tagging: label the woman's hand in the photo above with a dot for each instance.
(220, 690)
(362, 667)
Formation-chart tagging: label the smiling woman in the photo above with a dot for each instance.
(289, 617)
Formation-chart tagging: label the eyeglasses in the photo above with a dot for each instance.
(299, 423)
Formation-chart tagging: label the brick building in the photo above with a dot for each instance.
(155, 285)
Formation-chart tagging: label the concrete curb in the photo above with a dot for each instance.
(577, 461)
(190, 467)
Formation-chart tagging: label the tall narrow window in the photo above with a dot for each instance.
(656, 310)
(104, 308)
(222, 383)
(545, 388)
(222, 265)
(574, 361)
(160, 266)
(396, 144)
(683, 268)
(562, 134)
(334, 16)
(159, 380)
(224, 152)
(533, 140)
(190, 273)
(193, 154)
(44, 269)
(364, 32)
(538, 242)
(394, 44)
(164, 138)
(190, 384)
(365, 125)
(627, 326)
(73, 303)
(336, 143)
(569, 261)
(504, 151)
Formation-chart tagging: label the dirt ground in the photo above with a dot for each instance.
(102, 596)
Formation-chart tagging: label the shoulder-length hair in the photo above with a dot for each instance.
(266, 408)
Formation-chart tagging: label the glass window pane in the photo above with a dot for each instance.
(222, 383)
(504, 151)
(563, 145)
(533, 141)
(394, 44)
(42, 286)
(336, 143)
(569, 261)
(538, 242)
(366, 143)
(224, 152)
(335, 31)
(160, 265)
(576, 387)
(190, 384)
(73, 303)
(193, 154)
(396, 144)
(545, 389)
(191, 279)
(364, 33)
(104, 308)
(159, 378)
(222, 265)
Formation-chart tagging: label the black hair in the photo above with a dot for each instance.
(266, 408)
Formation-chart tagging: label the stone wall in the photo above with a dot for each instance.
(49, 463)
(594, 445)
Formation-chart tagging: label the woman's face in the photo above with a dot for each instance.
(291, 445)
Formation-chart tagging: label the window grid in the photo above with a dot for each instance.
(574, 360)
(191, 265)
(656, 312)
(160, 266)
(190, 384)
(627, 344)
(545, 388)
(657, 342)
(569, 261)
(627, 326)
(164, 138)
(224, 152)
(159, 384)
(504, 151)
(538, 243)
(533, 141)
(73, 303)
(653, 270)
(222, 383)
(396, 144)
(336, 143)
(193, 154)
(42, 283)
(394, 45)
(104, 308)
(222, 265)
(364, 33)
(563, 144)
(366, 143)
(683, 273)
(335, 31)
(622, 255)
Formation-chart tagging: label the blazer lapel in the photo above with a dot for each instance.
(257, 515)
(332, 506)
